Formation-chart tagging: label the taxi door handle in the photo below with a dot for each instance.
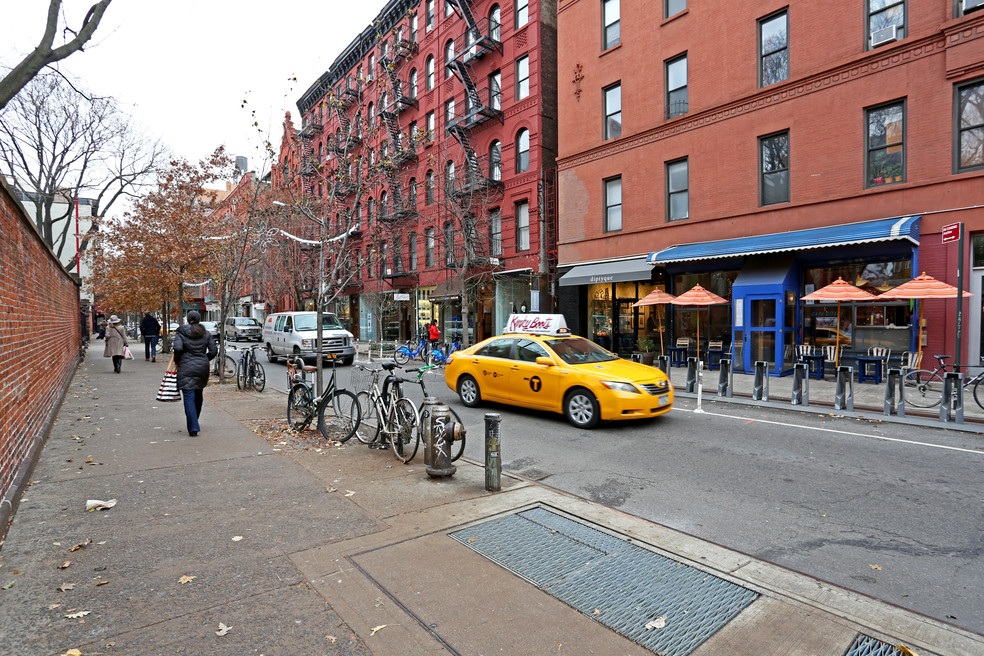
(514, 368)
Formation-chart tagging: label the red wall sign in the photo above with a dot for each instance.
(951, 232)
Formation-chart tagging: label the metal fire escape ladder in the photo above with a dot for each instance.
(398, 152)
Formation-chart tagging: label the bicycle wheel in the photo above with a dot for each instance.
(229, 367)
(300, 400)
(402, 355)
(241, 375)
(369, 423)
(979, 394)
(923, 389)
(405, 438)
(459, 445)
(339, 416)
(259, 376)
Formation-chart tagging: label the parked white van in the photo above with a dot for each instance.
(295, 333)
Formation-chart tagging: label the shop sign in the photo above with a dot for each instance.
(401, 297)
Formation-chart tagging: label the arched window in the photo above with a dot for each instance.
(495, 23)
(429, 73)
(448, 57)
(412, 92)
(495, 161)
(523, 151)
(429, 188)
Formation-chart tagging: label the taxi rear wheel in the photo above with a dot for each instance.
(468, 390)
(581, 408)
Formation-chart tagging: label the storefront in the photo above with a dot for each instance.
(763, 278)
(514, 294)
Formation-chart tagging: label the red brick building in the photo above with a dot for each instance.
(763, 150)
(433, 138)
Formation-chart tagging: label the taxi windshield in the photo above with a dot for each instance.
(577, 350)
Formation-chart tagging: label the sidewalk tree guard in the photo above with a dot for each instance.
(698, 296)
(923, 287)
(839, 290)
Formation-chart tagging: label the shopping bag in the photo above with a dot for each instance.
(127, 354)
(169, 386)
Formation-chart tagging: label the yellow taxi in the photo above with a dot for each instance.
(537, 363)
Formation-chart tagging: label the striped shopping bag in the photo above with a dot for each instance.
(169, 386)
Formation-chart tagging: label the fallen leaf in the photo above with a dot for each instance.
(223, 629)
(54, 606)
(349, 493)
(331, 639)
(8, 586)
(332, 489)
(237, 538)
(65, 587)
(72, 652)
(98, 583)
(81, 545)
(906, 651)
(952, 617)
(97, 504)
(657, 623)
(186, 579)
(597, 612)
(65, 564)
(377, 628)
(875, 566)
(472, 539)
(75, 616)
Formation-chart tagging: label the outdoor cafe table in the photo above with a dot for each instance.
(866, 361)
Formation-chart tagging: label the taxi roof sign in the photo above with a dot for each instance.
(540, 324)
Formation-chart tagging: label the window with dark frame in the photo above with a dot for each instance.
(885, 144)
(495, 23)
(774, 49)
(412, 91)
(448, 58)
(678, 190)
(431, 127)
(673, 7)
(429, 15)
(886, 21)
(412, 251)
(522, 77)
(677, 98)
(613, 111)
(495, 233)
(774, 169)
(522, 226)
(429, 248)
(611, 17)
(522, 13)
(495, 161)
(969, 127)
(522, 150)
(495, 90)
(449, 113)
(613, 204)
(429, 188)
(429, 73)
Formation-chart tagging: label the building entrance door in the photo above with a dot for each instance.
(625, 328)
(762, 337)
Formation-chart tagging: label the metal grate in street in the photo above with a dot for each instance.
(865, 645)
(666, 606)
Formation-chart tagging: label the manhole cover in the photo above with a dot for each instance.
(664, 605)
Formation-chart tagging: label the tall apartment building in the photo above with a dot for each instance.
(433, 135)
(763, 149)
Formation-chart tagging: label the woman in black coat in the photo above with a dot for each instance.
(193, 349)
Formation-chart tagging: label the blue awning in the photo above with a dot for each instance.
(904, 228)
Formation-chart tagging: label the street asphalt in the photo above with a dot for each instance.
(251, 540)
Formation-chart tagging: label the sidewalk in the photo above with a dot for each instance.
(306, 549)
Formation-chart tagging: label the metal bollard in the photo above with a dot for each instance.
(893, 404)
(691, 375)
(663, 364)
(801, 384)
(760, 386)
(726, 379)
(700, 387)
(844, 389)
(437, 451)
(493, 458)
(951, 405)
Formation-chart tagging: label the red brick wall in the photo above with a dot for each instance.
(39, 345)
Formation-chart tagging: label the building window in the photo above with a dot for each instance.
(886, 21)
(495, 161)
(495, 233)
(677, 190)
(964, 7)
(370, 206)
(522, 77)
(773, 49)
(371, 68)
(677, 99)
(969, 128)
(429, 73)
(495, 23)
(413, 27)
(673, 7)
(431, 127)
(429, 15)
(613, 112)
(412, 251)
(522, 227)
(774, 167)
(522, 13)
(613, 204)
(885, 145)
(495, 91)
(429, 248)
(449, 113)
(449, 244)
(523, 151)
(610, 11)
(449, 176)
(429, 188)
(448, 8)
(412, 91)
(448, 58)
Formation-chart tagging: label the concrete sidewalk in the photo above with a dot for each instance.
(306, 548)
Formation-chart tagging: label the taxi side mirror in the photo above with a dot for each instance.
(546, 362)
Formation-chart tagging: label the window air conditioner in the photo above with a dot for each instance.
(888, 34)
(494, 261)
(972, 5)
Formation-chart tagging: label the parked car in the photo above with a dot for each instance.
(296, 333)
(243, 329)
(537, 363)
(213, 328)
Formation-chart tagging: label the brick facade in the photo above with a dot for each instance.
(39, 322)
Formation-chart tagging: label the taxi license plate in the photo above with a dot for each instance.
(663, 399)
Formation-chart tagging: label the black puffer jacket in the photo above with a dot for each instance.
(193, 348)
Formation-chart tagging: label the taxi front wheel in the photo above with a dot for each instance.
(469, 392)
(581, 408)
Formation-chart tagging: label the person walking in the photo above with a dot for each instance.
(433, 334)
(115, 341)
(150, 328)
(193, 349)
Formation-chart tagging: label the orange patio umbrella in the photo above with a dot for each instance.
(698, 296)
(839, 290)
(921, 287)
(656, 297)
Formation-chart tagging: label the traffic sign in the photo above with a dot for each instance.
(951, 232)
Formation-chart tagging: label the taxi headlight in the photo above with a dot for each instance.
(620, 387)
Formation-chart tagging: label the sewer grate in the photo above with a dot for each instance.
(865, 645)
(628, 586)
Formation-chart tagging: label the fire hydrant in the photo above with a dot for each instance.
(440, 432)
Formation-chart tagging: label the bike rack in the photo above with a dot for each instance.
(663, 364)
(691, 374)
(726, 378)
(952, 401)
(844, 389)
(801, 384)
(894, 404)
(760, 386)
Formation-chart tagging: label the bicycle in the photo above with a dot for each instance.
(387, 414)
(404, 354)
(302, 406)
(924, 389)
(228, 363)
(249, 372)
(459, 444)
(440, 358)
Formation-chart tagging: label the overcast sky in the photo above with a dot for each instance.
(182, 68)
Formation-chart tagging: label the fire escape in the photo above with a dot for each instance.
(310, 166)
(346, 139)
(397, 150)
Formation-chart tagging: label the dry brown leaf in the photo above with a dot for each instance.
(72, 652)
(596, 612)
(377, 628)
(65, 564)
(331, 639)
(65, 587)
(98, 583)
(75, 616)
(54, 606)
(237, 538)
(223, 629)
(186, 579)
(875, 566)
(349, 493)
(332, 489)
(472, 539)
(81, 545)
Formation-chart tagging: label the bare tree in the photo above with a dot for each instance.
(57, 145)
(46, 53)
